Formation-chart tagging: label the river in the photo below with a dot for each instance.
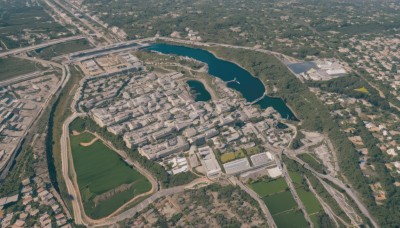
(249, 86)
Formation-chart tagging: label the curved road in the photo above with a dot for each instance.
(42, 45)
(162, 193)
(73, 190)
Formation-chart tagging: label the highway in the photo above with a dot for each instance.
(21, 78)
(99, 34)
(42, 45)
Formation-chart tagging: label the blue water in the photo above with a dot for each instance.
(200, 90)
(250, 87)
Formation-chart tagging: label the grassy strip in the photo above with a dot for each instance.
(313, 162)
(11, 67)
(59, 113)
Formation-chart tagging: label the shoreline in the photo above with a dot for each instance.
(209, 89)
(207, 47)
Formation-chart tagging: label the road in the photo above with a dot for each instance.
(85, 22)
(78, 9)
(42, 45)
(65, 168)
(338, 183)
(325, 206)
(21, 78)
(65, 76)
(296, 197)
(162, 193)
(343, 203)
(73, 190)
(254, 195)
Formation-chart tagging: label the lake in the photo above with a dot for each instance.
(249, 86)
(200, 91)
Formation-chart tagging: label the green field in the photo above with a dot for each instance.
(280, 202)
(297, 179)
(290, 219)
(313, 162)
(263, 188)
(62, 48)
(314, 219)
(99, 170)
(11, 67)
(309, 200)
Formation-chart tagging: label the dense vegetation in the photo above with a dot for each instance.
(22, 22)
(22, 168)
(298, 28)
(352, 86)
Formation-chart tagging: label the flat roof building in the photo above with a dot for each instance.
(237, 166)
(262, 159)
(209, 162)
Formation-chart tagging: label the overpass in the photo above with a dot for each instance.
(21, 78)
(42, 45)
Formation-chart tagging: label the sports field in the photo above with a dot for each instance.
(280, 202)
(297, 179)
(100, 170)
(309, 200)
(290, 219)
(263, 188)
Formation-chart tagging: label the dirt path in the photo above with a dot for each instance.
(89, 143)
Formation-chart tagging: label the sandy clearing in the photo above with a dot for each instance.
(88, 143)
